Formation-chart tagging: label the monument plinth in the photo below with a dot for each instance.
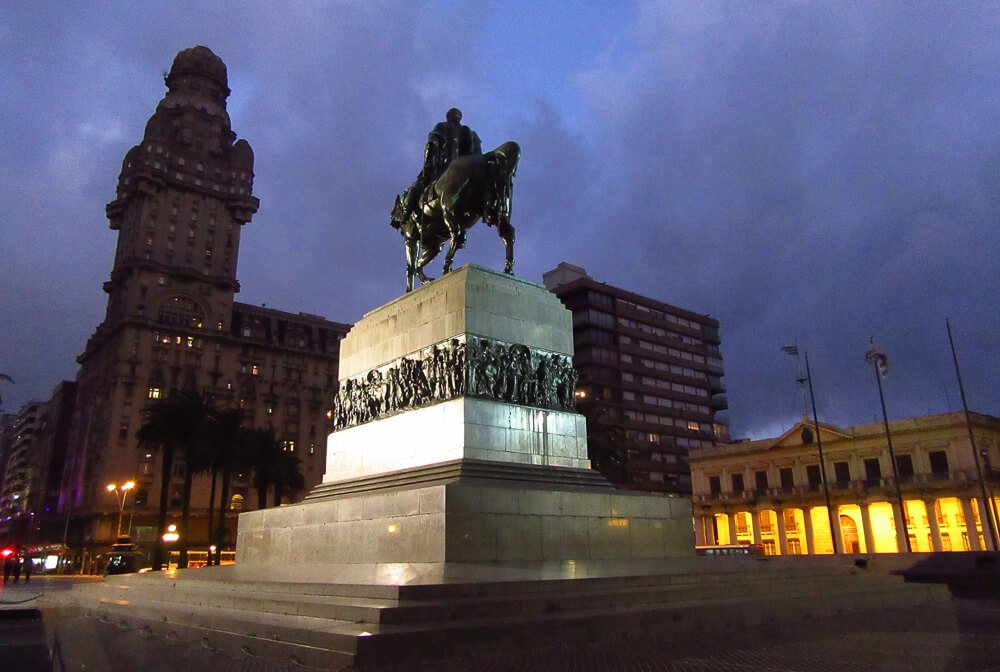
(457, 442)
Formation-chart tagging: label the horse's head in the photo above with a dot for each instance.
(508, 154)
(502, 163)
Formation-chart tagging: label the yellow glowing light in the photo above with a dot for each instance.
(617, 522)
(171, 533)
(393, 529)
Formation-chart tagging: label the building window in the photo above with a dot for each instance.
(787, 478)
(155, 393)
(760, 480)
(813, 476)
(236, 503)
(873, 471)
(939, 461)
(714, 485)
(842, 472)
(738, 485)
(904, 466)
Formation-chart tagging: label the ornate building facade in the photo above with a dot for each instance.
(650, 381)
(771, 492)
(184, 195)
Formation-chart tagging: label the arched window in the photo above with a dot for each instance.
(181, 311)
(236, 503)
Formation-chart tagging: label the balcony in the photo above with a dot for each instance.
(720, 403)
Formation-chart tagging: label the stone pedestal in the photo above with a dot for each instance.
(458, 444)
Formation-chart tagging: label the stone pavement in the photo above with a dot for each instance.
(963, 636)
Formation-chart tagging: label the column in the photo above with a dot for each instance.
(710, 536)
(782, 535)
(932, 522)
(983, 513)
(970, 524)
(897, 518)
(755, 521)
(810, 544)
(699, 530)
(866, 524)
(732, 527)
(838, 536)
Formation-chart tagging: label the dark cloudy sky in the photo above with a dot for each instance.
(818, 172)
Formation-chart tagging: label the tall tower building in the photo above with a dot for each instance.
(650, 381)
(184, 194)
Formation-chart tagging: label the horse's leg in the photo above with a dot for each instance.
(506, 232)
(456, 238)
(431, 248)
(411, 259)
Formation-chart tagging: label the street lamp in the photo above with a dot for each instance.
(121, 493)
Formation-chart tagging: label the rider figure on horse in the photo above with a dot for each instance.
(447, 141)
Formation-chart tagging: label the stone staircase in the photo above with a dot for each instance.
(330, 625)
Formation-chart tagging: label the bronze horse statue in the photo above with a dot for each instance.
(473, 186)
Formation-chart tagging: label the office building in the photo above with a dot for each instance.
(650, 381)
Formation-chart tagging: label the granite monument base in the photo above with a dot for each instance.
(468, 511)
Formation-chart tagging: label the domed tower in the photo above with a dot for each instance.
(183, 195)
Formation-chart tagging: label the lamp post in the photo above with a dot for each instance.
(121, 493)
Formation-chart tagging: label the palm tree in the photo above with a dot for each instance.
(230, 445)
(289, 474)
(273, 466)
(197, 460)
(171, 424)
(266, 459)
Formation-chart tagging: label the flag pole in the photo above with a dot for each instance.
(822, 464)
(988, 503)
(880, 365)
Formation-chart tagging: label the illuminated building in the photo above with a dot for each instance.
(17, 484)
(650, 380)
(770, 491)
(184, 195)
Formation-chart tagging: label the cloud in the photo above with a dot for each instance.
(818, 171)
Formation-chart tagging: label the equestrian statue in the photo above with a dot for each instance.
(458, 186)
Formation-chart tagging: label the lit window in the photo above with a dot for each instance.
(155, 393)
(255, 370)
(288, 445)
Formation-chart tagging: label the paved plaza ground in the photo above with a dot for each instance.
(962, 635)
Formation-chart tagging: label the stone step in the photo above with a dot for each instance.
(446, 620)
(453, 602)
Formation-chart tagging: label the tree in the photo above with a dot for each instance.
(171, 424)
(290, 476)
(266, 460)
(273, 466)
(230, 441)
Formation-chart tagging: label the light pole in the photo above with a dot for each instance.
(121, 494)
